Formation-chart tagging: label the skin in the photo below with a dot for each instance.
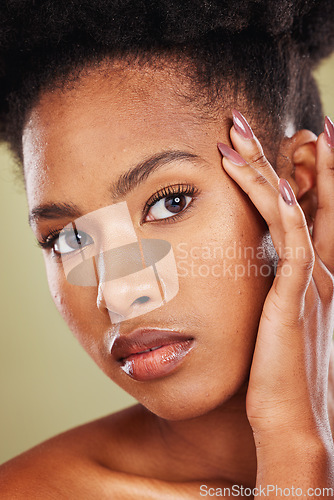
(207, 421)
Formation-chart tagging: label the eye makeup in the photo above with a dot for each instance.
(170, 191)
(49, 240)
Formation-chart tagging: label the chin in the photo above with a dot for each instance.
(184, 405)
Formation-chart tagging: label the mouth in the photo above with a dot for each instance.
(147, 354)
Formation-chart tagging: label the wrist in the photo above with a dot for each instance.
(303, 425)
(308, 455)
(295, 439)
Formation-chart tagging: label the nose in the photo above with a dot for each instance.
(130, 296)
(126, 288)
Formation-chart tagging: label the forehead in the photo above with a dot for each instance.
(103, 124)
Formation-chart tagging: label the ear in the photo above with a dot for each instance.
(297, 164)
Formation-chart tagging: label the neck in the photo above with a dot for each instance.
(218, 444)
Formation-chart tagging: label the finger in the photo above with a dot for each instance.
(295, 271)
(323, 228)
(248, 146)
(258, 188)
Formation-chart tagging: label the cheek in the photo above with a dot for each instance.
(237, 255)
(227, 285)
(76, 304)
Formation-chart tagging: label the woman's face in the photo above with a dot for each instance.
(76, 144)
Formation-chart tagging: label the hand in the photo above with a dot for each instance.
(287, 391)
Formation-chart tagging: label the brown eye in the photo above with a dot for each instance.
(175, 203)
(168, 206)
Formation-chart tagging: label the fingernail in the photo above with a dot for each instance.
(329, 132)
(241, 125)
(286, 192)
(232, 155)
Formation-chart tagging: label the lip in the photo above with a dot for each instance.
(170, 348)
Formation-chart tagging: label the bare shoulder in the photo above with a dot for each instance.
(73, 464)
(113, 457)
(108, 458)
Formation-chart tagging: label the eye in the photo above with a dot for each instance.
(168, 206)
(70, 240)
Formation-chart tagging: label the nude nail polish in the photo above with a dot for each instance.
(329, 132)
(232, 155)
(286, 192)
(241, 125)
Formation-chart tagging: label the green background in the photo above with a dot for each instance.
(48, 384)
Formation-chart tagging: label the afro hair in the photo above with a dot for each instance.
(270, 45)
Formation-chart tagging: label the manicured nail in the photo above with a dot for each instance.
(232, 155)
(241, 125)
(286, 192)
(329, 132)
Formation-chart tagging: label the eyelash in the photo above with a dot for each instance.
(47, 242)
(185, 189)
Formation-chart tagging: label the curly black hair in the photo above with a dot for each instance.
(268, 48)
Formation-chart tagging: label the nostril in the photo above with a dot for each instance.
(142, 299)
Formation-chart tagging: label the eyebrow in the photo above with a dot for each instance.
(120, 188)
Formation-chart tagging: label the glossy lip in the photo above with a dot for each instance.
(142, 339)
(170, 347)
